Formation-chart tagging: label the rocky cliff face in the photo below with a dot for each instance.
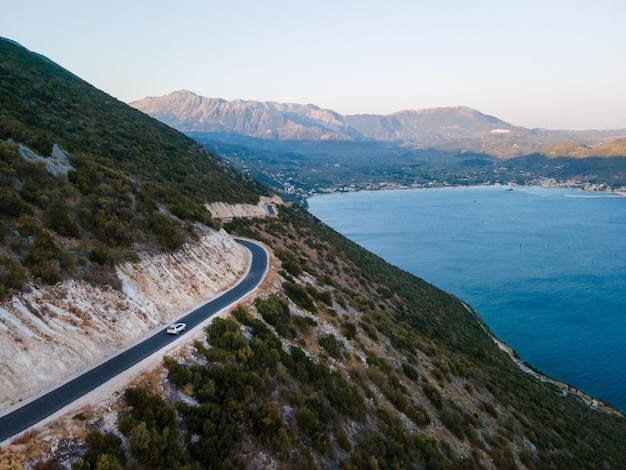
(50, 334)
(224, 210)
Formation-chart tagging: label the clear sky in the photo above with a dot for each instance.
(546, 63)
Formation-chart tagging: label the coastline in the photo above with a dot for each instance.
(566, 389)
(582, 192)
(597, 189)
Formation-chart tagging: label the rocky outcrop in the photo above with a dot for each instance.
(224, 210)
(50, 334)
(56, 164)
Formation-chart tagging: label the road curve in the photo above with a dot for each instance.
(34, 411)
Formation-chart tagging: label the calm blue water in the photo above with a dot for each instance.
(545, 268)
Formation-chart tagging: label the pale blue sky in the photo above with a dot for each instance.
(553, 64)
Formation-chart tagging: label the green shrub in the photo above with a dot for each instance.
(226, 335)
(348, 329)
(101, 255)
(331, 344)
(321, 295)
(433, 395)
(453, 420)
(101, 448)
(410, 371)
(274, 311)
(342, 438)
(418, 415)
(12, 276)
(303, 323)
(369, 329)
(11, 204)
(241, 314)
(289, 262)
(489, 408)
(60, 221)
(178, 374)
(299, 296)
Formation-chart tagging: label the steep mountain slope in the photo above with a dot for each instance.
(116, 182)
(342, 362)
(454, 129)
(348, 362)
(93, 194)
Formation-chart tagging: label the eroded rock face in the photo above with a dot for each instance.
(224, 210)
(52, 333)
(56, 164)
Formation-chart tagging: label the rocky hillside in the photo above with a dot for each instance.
(88, 183)
(51, 333)
(341, 361)
(453, 129)
(103, 227)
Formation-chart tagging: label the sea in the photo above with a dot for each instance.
(544, 267)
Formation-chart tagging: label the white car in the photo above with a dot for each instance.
(176, 328)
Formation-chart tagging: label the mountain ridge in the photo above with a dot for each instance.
(457, 128)
(190, 112)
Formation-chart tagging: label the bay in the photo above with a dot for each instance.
(544, 267)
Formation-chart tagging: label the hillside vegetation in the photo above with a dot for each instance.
(130, 184)
(421, 357)
(614, 148)
(352, 364)
(300, 168)
(343, 362)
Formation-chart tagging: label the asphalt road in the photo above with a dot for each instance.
(32, 412)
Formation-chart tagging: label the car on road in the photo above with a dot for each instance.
(176, 328)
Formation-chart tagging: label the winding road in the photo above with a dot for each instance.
(22, 418)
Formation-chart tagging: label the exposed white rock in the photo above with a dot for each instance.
(50, 334)
(56, 164)
(224, 210)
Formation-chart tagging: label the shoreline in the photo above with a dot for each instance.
(579, 192)
(548, 184)
(566, 389)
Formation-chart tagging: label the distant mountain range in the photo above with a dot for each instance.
(452, 129)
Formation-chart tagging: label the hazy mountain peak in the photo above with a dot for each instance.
(187, 111)
(177, 99)
(184, 94)
(452, 112)
(454, 128)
